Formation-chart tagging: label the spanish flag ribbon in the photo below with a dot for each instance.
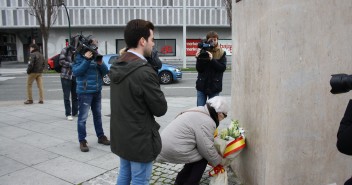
(234, 146)
(216, 170)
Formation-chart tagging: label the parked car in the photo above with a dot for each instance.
(167, 74)
(51, 61)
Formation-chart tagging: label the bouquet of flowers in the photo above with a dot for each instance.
(229, 144)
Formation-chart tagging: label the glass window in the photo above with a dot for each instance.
(110, 16)
(98, 16)
(164, 17)
(172, 17)
(59, 16)
(82, 16)
(104, 16)
(8, 3)
(165, 47)
(87, 16)
(121, 19)
(15, 17)
(93, 16)
(115, 16)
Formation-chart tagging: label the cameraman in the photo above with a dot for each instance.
(210, 70)
(344, 135)
(89, 71)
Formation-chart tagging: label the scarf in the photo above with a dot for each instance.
(213, 114)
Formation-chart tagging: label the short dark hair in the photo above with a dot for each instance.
(135, 30)
(212, 34)
(34, 46)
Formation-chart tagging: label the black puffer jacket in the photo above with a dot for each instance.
(135, 98)
(210, 74)
(36, 62)
(344, 135)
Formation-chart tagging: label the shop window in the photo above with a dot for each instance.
(8, 49)
(165, 47)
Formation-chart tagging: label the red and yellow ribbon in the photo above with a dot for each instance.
(216, 170)
(234, 146)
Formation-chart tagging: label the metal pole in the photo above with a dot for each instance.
(184, 34)
(69, 22)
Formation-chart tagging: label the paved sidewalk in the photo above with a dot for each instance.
(39, 146)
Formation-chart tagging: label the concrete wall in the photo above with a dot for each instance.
(284, 53)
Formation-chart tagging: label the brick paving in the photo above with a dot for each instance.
(162, 174)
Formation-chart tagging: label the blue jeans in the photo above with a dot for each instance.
(202, 97)
(86, 101)
(69, 88)
(139, 173)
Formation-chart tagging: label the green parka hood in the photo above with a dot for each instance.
(124, 66)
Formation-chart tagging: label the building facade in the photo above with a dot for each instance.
(105, 20)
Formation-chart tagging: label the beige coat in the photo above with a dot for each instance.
(189, 138)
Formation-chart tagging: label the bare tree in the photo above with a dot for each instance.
(45, 11)
(228, 5)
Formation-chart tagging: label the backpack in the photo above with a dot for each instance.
(57, 65)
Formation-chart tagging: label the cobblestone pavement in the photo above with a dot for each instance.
(163, 174)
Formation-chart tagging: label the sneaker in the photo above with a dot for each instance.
(28, 102)
(69, 118)
(40, 102)
(103, 140)
(83, 146)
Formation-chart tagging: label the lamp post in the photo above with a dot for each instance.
(68, 18)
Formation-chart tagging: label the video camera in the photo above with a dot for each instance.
(84, 44)
(205, 45)
(340, 83)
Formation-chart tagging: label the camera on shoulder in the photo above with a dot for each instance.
(85, 44)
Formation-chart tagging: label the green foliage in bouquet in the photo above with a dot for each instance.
(232, 132)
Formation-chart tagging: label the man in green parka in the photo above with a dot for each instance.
(136, 98)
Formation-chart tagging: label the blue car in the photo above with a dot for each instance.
(167, 74)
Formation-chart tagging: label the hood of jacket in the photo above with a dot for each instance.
(124, 66)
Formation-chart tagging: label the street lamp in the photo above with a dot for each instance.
(68, 18)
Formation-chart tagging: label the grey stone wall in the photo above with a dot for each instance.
(284, 53)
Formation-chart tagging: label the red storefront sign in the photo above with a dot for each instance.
(192, 46)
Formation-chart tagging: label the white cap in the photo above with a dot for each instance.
(219, 104)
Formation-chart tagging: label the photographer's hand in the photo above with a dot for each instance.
(210, 56)
(88, 55)
(198, 52)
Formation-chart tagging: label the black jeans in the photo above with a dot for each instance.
(69, 87)
(191, 174)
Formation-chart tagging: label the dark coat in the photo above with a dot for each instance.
(135, 98)
(210, 74)
(36, 63)
(89, 75)
(344, 135)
